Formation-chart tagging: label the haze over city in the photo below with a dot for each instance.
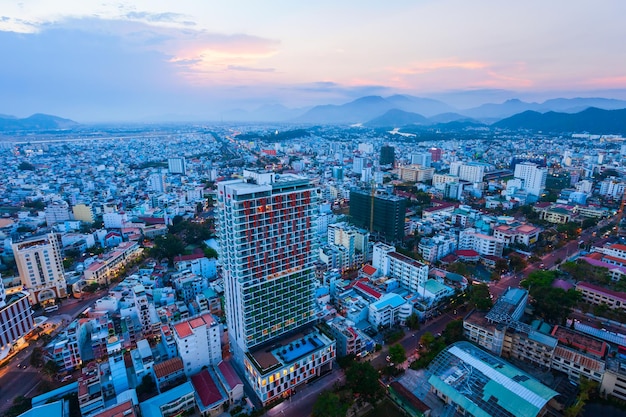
(151, 61)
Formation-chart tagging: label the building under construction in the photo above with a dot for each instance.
(385, 218)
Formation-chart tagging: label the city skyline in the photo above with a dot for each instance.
(142, 60)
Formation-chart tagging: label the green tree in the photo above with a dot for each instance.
(167, 246)
(50, 368)
(413, 322)
(480, 297)
(36, 357)
(26, 166)
(501, 265)
(329, 404)
(453, 332)
(397, 354)
(210, 252)
(147, 385)
(517, 263)
(362, 379)
(20, 405)
(427, 340)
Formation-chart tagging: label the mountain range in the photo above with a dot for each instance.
(35, 122)
(595, 115)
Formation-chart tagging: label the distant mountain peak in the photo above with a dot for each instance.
(37, 121)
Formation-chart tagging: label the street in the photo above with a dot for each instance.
(301, 403)
(16, 381)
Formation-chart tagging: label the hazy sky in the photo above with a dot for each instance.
(99, 60)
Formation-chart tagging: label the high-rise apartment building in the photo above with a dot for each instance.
(424, 159)
(39, 262)
(387, 155)
(389, 213)
(358, 164)
(16, 317)
(435, 154)
(416, 173)
(534, 177)
(177, 165)
(268, 246)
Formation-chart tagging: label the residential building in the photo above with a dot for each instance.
(389, 213)
(416, 173)
(533, 176)
(481, 243)
(83, 212)
(16, 319)
(56, 212)
(174, 402)
(349, 339)
(198, 341)
(410, 273)
(390, 309)
(210, 395)
(230, 381)
(387, 155)
(90, 398)
(524, 234)
(169, 373)
(198, 264)
(268, 246)
(104, 269)
(39, 262)
(176, 165)
(594, 294)
(423, 158)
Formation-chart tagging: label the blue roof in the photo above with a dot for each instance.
(47, 410)
(388, 300)
(151, 407)
(57, 393)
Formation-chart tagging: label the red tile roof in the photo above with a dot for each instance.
(191, 257)
(206, 388)
(467, 253)
(183, 329)
(368, 290)
(614, 294)
(232, 379)
(618, 246)
(369, 269)
(197, 322)
(168, 367)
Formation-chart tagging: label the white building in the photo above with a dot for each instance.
(198, 341)
(389, 310)
(16, 318)
(424, 159)
(57, 212)
(39, 262)
(176, 165)
(114, 220)
(380, 260)
(533, 176)
(410, 273)
(481, 243)
(472, 172)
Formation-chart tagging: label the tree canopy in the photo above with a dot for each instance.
(552, 304)
(362, 379)
(329, 404)
(397, 354)
(480, 297)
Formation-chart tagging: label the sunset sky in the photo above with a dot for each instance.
(101, 61)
